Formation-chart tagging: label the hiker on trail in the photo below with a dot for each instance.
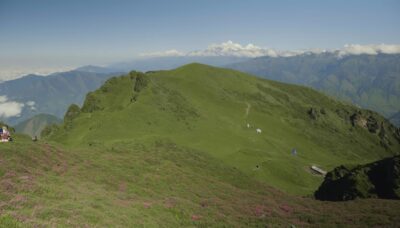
(294, 152)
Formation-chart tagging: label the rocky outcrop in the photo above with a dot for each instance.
(389, 135)
(357, 119)
(379, 179)
(372, 124)
(314, 113)
(368, 122)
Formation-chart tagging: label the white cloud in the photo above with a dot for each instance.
(371, 49)
(168, 53)
(9, 108)
(10, 73)
(388, 49)
(31, 105)
(3, 99)
(230, 48)
(233, 49)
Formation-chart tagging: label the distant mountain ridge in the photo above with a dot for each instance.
(34, 125)
(371, 81)
(171, 62)
(50, 94)
(96, 69)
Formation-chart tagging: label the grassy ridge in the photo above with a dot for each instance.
(370, 81)
(51, 94)
(207, 109)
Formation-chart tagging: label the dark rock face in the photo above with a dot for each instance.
(313, 113)
(382, 132)
(365, 121)
(358, 120)
(385, 142)
(378, 179)
(372, 124)
(389, 135)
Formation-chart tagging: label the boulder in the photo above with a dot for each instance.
(379, 179)
(358, 120)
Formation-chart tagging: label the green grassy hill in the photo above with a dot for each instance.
(34, 126)
(172, 148)
(207, 109)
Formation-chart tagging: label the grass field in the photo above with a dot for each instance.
(172, 148)
(208, 109)
(131, 184)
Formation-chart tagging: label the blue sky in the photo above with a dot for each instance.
(77, 32)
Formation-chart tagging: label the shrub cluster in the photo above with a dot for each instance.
(91, 103)
(140, 80)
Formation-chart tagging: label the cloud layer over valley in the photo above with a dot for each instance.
(13, 108)
(250, 50)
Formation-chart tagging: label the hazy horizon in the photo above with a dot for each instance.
(48, 36)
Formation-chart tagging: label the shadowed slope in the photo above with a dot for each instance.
(378, 179)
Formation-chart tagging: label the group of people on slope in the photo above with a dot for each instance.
(5, 135)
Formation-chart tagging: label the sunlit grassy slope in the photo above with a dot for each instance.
(159, 184)
(207, 109)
